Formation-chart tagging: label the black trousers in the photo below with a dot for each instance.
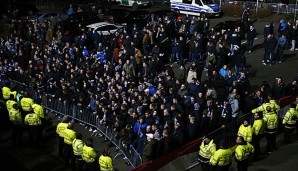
(220, 168)
(242, 165)
(90, 166)
(77, 162)
(205, 166)
(68, 155)
(17, 134)
(288, 135)
(34, 140)
(61, 145)
(271, 141)
(256, 143)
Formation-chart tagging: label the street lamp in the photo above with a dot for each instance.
(257, 7)
(295, 11)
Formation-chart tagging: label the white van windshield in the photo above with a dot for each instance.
(208, 2)
(199, 2)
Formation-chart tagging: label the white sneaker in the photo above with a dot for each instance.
(249, 51)
(296, 49)
(90, 130)
(95, 131)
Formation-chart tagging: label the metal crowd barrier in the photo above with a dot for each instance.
(276, 7)
(82, 115)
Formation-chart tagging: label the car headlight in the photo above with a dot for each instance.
(210, 10)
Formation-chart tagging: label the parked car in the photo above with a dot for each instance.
(128, 18)
(232, 24)
(42, 16)
(164, 13)
(72, 22)
(105, 28)
(139, 18)
(96, 6)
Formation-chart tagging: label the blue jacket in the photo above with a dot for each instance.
(282, 26)
(138, 128)
(101, 56)
(85, 52)
(70, 11)
(282, 42)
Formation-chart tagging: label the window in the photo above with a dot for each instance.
(199, 2)
(103, 28)
(187, 1)
(112, 27)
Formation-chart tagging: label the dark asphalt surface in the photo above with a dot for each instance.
(46, 159)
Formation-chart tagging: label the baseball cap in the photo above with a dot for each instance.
(150, 135)
(157, 135)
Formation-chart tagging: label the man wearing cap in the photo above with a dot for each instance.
(207, 149)
(289, 123)
(264, 106)
(271, 124)
(243, 152)
(159, 144)
(149, 148)
(221, 160)
(59, 130)
(245, 131)
(258, 131)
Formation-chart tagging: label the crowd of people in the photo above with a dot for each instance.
(123, 79)
(265, 124)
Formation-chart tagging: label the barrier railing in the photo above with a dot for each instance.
(85, 116)
(276, 7)
(165, 159)
(82, 115)
(229, 134)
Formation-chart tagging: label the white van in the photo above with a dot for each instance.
(133, 3)
(196, 7)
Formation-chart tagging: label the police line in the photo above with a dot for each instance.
(80, 115)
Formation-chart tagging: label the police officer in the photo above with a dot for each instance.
(38, 109)
(10, 102)
(258, 131)
(59, 130)
(15, 117)
(268, 102)
(69, 135)
(271, 100)
(289, 123)
(271, 124)
(6, 91)
(207, 149)
(33, 121)
(26, 103)
(89, 155)
(221, 160)
(243, 152)
(77, 146)
(245, 131)
(105, 161)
